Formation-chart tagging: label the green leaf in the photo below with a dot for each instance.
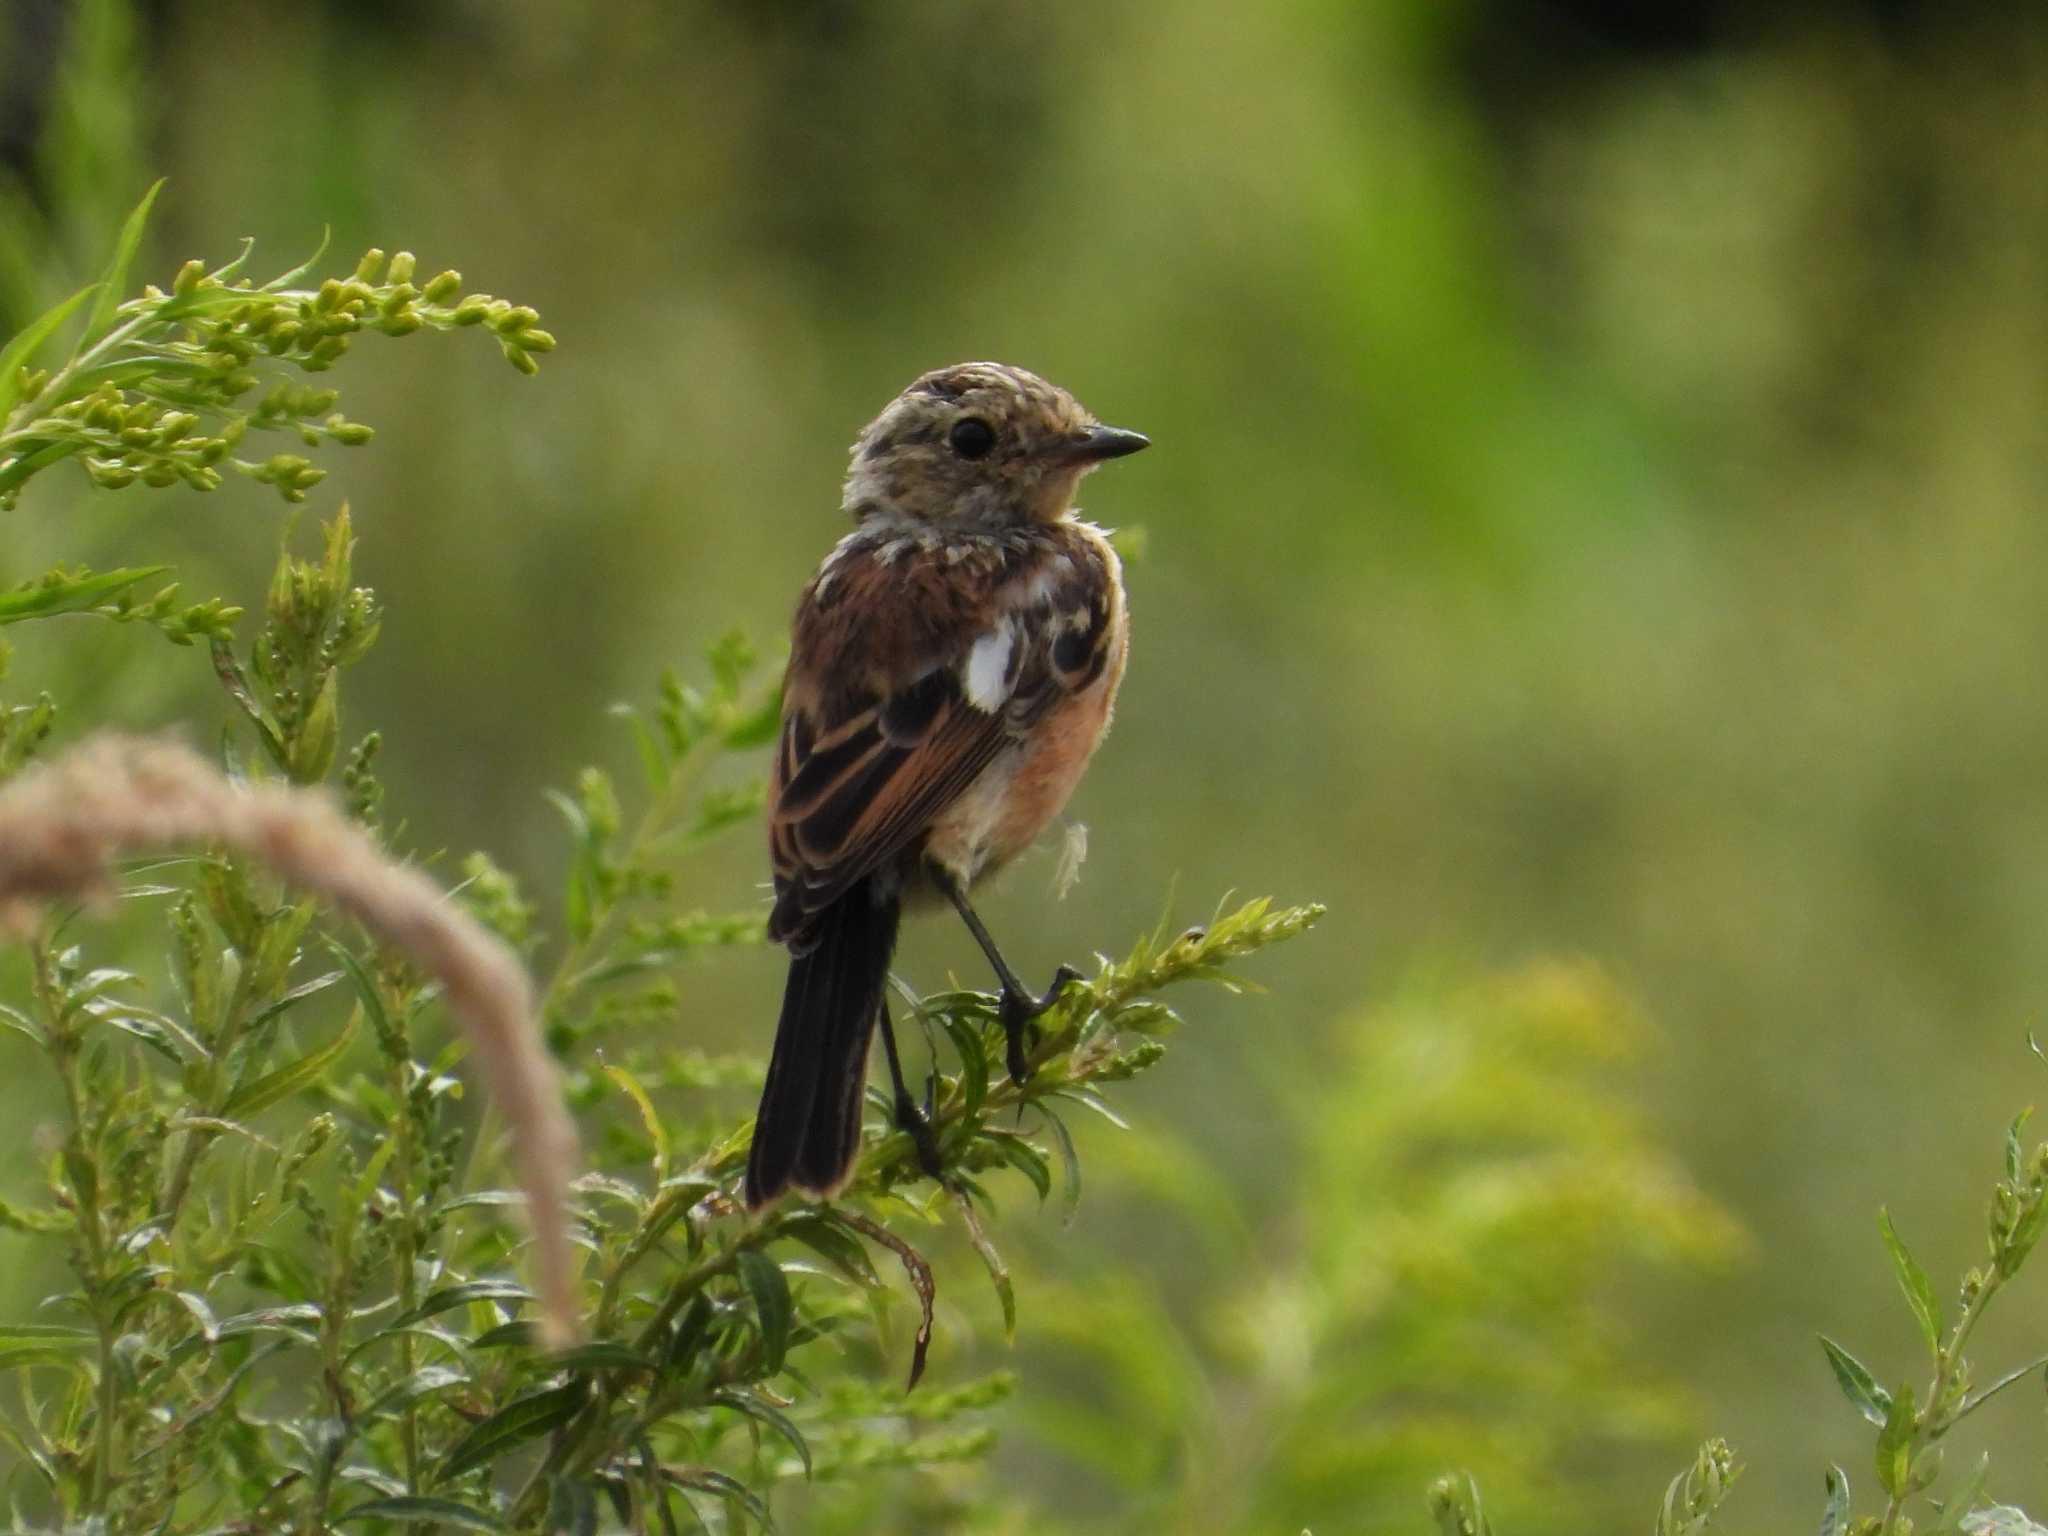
(21, 1024)
(972, 1050)
(998, 1271)
(603, 1355)
(2026, 1232)
(649, 1119)
(293, 1077)
(1834, 1518)
(59, 592)
(1070, 1164)
(835, 1245)
(450, 1297)
(113, 283)
(726, 1487)
(1895, 1443)
(519, 1334)
(1455, 1503)
(415, 1509)
(1088, 1098)
(577, 896)
(298, 994)
(1913, 1281)
(2002, 1520)
(284, 280)
(691, 1329)
(1857, 1384)
(2012, 1139)
(1024, 1157)
(366, 990)
(769, 1288)
(755, 1407)
(1962, 1499)
(279, 1320)
(18, 353)
(42, 1344)
(514, 1424)
(229, 671)
(421, 1383)
(1977, 1400)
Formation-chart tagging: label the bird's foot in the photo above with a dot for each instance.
(917, 1124)
(1019, 1011)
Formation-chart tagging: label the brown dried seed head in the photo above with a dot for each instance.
(64, 821)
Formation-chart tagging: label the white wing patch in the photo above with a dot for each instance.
(988, 667)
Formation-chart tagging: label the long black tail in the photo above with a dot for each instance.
(808, 1126)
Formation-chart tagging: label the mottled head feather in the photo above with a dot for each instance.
(906, 464)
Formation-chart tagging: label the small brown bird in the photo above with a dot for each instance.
(951, 672)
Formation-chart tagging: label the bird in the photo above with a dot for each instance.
(953, 666)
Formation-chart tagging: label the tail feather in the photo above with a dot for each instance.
(808, 1127)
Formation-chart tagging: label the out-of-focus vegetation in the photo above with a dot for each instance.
(1596, 510)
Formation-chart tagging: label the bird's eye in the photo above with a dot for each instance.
(972, 437)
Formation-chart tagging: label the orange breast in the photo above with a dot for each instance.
(1052, 761)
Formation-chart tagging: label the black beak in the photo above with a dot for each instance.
(1099, 443)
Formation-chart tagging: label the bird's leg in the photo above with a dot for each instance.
(1019, 1007)
(909, 1118)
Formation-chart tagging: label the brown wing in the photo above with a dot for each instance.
(895, 704)
(851, 795)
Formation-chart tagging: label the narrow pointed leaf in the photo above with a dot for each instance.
(1857, 1384)
(414, 1509)
(998, 1271)
(41, 599)
(513, 1425)
(450, 1297)
(113, 283)
(759, 1408)
(1834, 1517)
(1913, 1281)
(293, 1077)
(1070, 1164)
(1962, 1499)
(1895, 1443)
(19, 352)
(769, 1288)
(726, 1487)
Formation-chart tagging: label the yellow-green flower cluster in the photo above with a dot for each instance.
(156, 391)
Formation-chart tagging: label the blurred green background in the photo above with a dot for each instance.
(1596, 510)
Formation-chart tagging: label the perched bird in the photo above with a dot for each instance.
(951, 672)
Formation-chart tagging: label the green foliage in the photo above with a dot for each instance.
(1911, 1423)
(1465, 1198)
(292, 1297)
(163, 389)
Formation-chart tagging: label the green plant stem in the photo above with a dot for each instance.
(575, 1446)
(15, 468)
(215, 1097)
(675, 794)
(649, 829)
(63, 1048)
(404, 1254)
(1925, 1429)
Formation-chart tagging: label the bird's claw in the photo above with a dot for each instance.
(917, 1124)
(1020, 1012)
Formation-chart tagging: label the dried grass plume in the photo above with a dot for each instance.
(64, 821)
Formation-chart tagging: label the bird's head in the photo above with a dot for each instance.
(979, 444)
